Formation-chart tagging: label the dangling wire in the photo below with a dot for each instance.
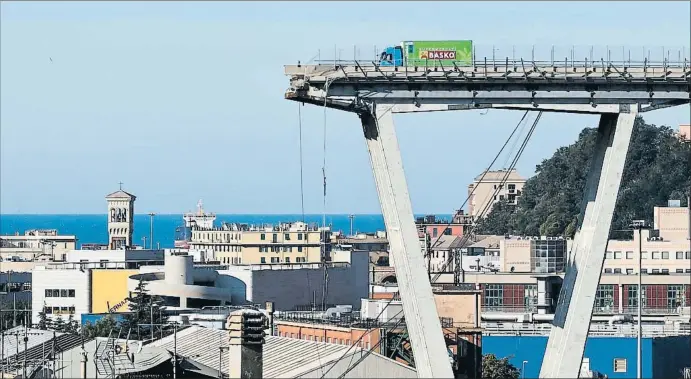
(302, 183)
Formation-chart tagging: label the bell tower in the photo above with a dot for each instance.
(120, 219)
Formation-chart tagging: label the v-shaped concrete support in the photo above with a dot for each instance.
(419, 308)
(577, 297)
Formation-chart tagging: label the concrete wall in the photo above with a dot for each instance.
(109, 287)
(77, 280)
(462, 307)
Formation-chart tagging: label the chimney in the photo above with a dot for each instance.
(270, 311)
(245, 350)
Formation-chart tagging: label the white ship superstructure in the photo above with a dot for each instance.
(200, 218)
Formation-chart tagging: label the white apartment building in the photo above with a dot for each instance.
(36, 244)
(483, 191)
(234, 243)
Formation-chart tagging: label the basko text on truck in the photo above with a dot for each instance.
(428, 54)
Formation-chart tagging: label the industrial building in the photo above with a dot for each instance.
(610, 349)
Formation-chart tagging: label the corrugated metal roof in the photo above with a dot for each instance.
(283, 357)
(15, 336)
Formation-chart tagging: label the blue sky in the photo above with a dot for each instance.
(184, 100)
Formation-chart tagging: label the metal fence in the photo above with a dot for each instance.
(347, 320)
(552, 55)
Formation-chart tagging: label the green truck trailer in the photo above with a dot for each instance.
(428, 53)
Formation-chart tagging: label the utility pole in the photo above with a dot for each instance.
(175, 349)
(151, 230)
(639, 225)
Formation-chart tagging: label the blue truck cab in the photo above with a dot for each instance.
(392, 56)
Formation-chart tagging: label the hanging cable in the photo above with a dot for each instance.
(302, 182)
(488, 206)
(484, 210)
(482, 177)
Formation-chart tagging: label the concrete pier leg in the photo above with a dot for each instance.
(576, 300)
(419, 308)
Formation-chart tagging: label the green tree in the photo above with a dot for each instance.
(59, 324)
(43, 320)
(101, 328)
(145, 310)
(657, 169)
(494, 368)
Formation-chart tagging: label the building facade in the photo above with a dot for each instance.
(36, 244)
(246, 244)
(610, 351)
(481, 192)
(120, 219)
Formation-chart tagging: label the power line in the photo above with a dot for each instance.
(491, 164)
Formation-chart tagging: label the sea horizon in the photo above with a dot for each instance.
(92, 228)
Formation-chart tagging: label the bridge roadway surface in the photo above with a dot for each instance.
(616, 92)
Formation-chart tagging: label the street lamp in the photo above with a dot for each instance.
(151, 230)
(639, 225)
(523, 369)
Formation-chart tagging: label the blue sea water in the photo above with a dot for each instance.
(93, 228)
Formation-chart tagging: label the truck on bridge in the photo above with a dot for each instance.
(428, 53)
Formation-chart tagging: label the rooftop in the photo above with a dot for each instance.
(283, 357)
(492, 176)
(120, 194)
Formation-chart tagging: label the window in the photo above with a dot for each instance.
(665, 271)
(680, 255)
(617, 271)
(328, 339)
(644, 255)
(680, 271)
(287, 259)
(608, 255)
(262, 237)
(617, 255)
(274, 259)
(644, 271)
(656, 255)
(608, 271)
(287, 237)
(512, 186)
(299, 249)
(263, 260)
(629, 271)
(274, 238)
(299, 236)
(63, 293)
(347, 342)
(665, 255)
(434, 232)
(56, 293)
(629, 255)
(688, 255)
(619, 365)
(656, 271)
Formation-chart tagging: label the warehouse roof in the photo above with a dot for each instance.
(283, 357)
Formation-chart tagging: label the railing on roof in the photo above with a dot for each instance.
(619, 330)
(347, 320)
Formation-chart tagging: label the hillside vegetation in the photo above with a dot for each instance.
(657, 169)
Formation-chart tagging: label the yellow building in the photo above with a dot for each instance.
(109, 290)
(244, 244)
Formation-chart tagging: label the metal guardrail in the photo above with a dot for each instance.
(595, 329)
(541, 53)
(348, 320)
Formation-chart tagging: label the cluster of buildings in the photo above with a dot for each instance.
(325, 291)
